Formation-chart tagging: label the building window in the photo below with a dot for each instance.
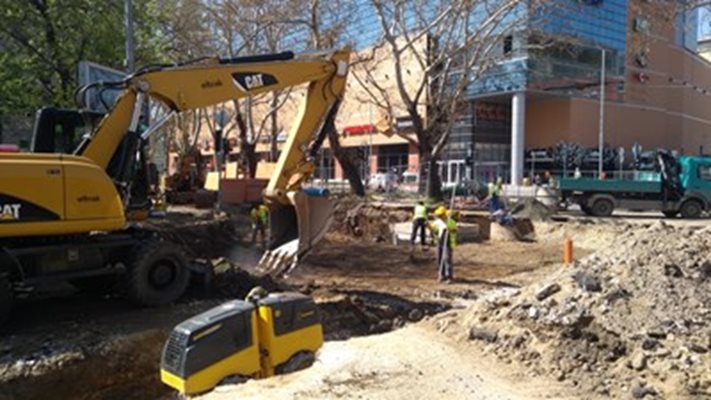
(393, 158)
(325, 167)
(508, 45)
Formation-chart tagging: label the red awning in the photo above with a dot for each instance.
(9, 148)
(359, 129)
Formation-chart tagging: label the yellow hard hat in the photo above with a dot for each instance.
(441, 211)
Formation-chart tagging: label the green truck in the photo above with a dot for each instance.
(681, 186)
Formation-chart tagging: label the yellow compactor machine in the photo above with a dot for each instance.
(276, 334)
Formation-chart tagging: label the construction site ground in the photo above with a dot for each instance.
(392, 330)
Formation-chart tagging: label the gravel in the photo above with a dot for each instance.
(639, 309)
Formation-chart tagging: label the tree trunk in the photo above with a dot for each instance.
(434, 184)
(274, 131)
(350, 169)
(246, 148)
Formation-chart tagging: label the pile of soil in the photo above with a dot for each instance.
(630, 321)
(203, 237)
(588, 234)
(353, 217)
(532, 209)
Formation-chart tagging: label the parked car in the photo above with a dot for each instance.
(466, 188)
(382, 182)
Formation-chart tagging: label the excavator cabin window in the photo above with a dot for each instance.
(59, 130)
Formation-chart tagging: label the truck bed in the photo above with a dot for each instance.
(610, 185)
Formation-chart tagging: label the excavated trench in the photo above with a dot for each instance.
(126, 366)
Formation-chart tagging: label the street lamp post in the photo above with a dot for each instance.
(220, 118)
(128, 20)
(601, 133)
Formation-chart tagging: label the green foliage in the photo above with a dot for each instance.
(42, 42)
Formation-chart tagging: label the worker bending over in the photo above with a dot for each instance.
(260, 218)
(419, 224)
(444, 227)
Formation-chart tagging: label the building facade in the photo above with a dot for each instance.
(547, 90)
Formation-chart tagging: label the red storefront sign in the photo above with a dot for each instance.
(359, 129)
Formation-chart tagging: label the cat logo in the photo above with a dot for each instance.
(247, 81)
(10, 211)
(253, 81)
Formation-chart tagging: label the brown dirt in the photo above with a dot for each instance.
(340, 263)
(363, 288)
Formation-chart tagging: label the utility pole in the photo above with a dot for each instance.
(128, 16)
(601, 134)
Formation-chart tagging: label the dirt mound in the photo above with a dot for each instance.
(589, 234)
(631, 320)
(203, 237)
(532, 209)
(117, 368)
(354, 217)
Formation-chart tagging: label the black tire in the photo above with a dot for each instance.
(602, 208)
(157, 274)
(297, 362)
(6, 299)
(691, 209)
(670, 214)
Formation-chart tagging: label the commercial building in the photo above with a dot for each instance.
(544, 90)
(547, 90)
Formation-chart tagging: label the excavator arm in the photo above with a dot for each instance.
(298, 218)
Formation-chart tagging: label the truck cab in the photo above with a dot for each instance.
(696, 176)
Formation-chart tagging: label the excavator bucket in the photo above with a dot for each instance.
(295, 229)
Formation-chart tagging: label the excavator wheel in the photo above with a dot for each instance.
(6, 298)
(157, 274)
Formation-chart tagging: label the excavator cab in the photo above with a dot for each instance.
(59, 130)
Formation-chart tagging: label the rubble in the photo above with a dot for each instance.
(636, 311)
(369, 221)
(530, 208)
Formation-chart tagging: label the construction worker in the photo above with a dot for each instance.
(419, 223)
(444, 227)
(495, 191)
(260, 218)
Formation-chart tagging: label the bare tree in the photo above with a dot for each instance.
(436, 49)
(248, 27)
(323, 24)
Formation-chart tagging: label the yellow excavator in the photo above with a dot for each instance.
(66, 217)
